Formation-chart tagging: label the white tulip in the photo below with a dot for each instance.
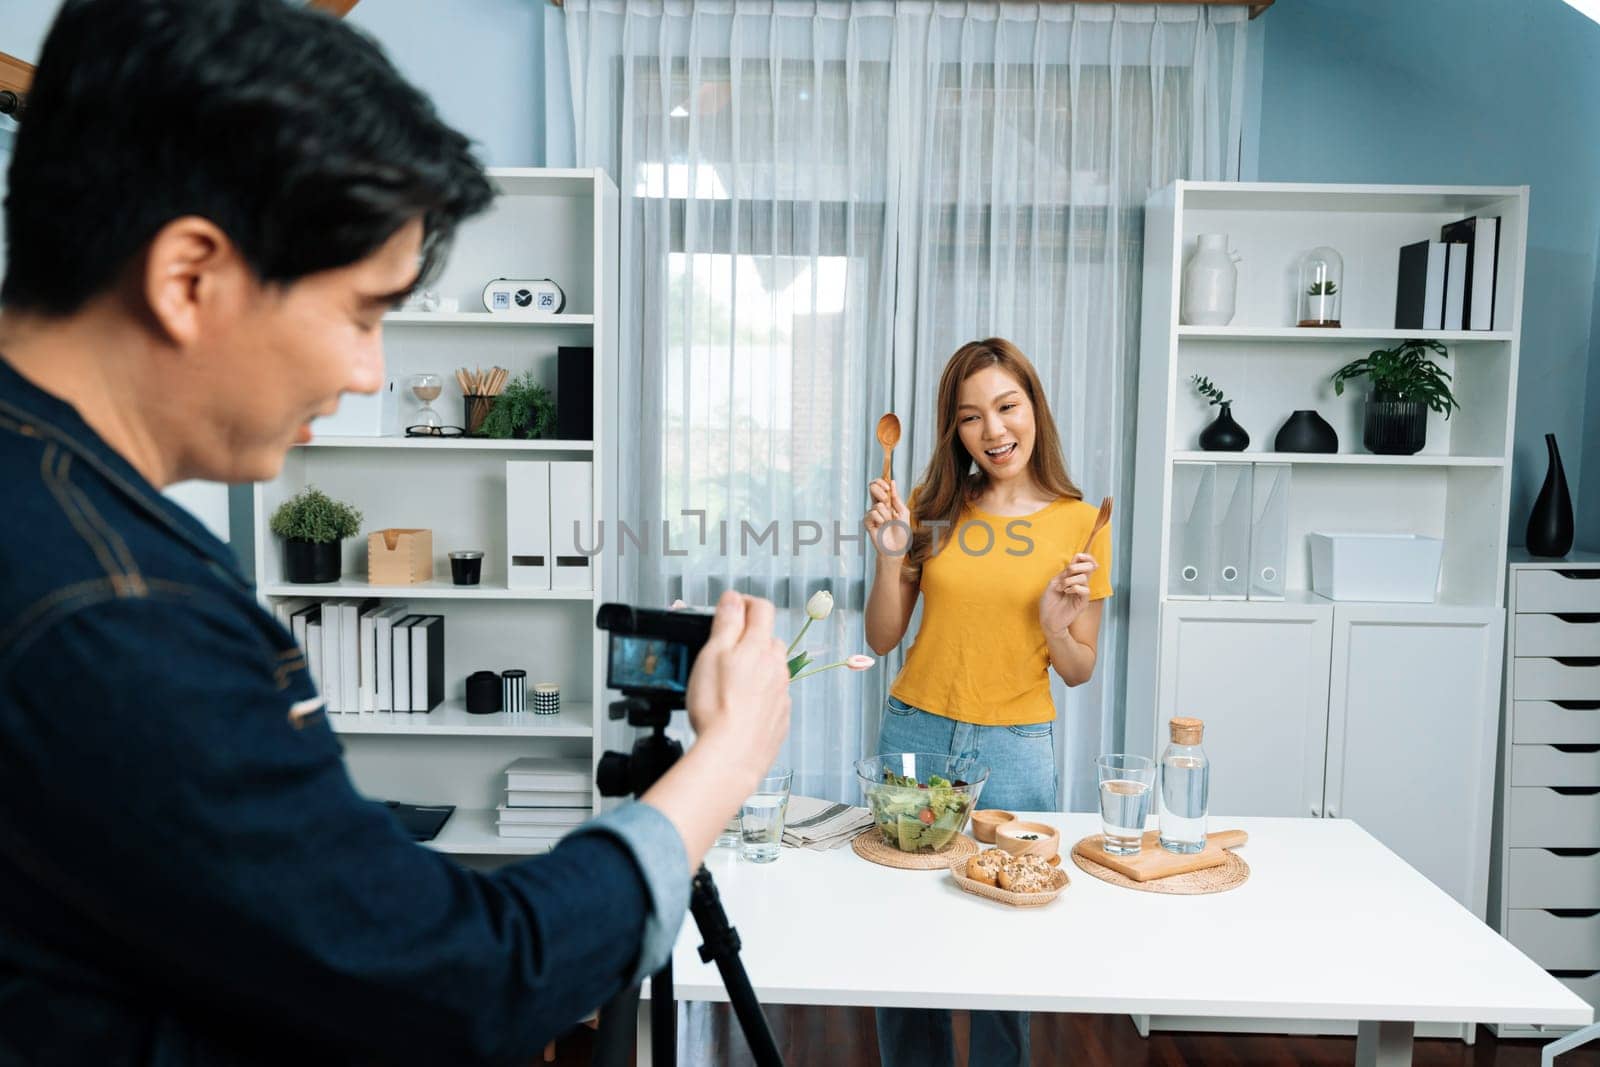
(820, 605)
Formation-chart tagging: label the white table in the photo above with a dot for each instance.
(1330, 926)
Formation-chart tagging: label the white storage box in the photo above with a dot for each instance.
(1392, 567)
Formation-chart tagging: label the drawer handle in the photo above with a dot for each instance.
(1578, 616)
(1577, 749)
(1577, 705)
(1574, 913)
(1581, 576)
(1577, 661)
(1574, 974)
(1576, 790)
(1574, 853)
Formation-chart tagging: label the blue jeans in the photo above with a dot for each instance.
(1022, 777)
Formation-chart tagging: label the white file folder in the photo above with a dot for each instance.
(1189, 548)
(571, 525)
(528, 524)
(1269, 531)
(1231, 545)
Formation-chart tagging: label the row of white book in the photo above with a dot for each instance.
(369, 655)
(546, 798)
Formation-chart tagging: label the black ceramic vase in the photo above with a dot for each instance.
(1306, 431)
(1550, 523)
(1395, 427)
(311, 561)
(1224, 435)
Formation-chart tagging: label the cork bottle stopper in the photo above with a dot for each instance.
(1186, 731)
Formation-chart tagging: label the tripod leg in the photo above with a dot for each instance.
(663, 1019)
(614, 1036)
(722, 948)
(642, 1041)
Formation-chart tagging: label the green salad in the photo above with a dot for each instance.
(917, 817)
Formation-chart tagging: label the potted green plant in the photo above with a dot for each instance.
(312, 525)
(524, 409)
(1406, 384)
(1223, 435)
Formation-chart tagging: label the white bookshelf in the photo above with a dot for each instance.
(1385, 713)
(560, 224)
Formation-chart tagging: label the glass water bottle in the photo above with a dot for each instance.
(1185, 789)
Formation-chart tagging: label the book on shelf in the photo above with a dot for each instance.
(1455, 286)
(427, 662)
(314, 655)
(541, 773)
(286, 609)
(550, 834)
(312, 612)
(350, 653)
(568, 817)
(1481, 238)
(1419, 299)
(383, 654)
(401, 653)
(549, 798)
(332, 676)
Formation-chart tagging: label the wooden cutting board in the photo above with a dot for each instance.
(1153, 861)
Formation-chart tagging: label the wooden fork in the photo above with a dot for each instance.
(1100, 521)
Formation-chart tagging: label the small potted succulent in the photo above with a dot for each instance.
(312, 525)
(1321, 279)
(1223, 435)
(1406, 384)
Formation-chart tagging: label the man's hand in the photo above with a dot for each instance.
(738, 703)
(739, 689)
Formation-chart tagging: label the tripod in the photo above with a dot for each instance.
(620, 775)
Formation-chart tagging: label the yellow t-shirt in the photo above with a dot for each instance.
(980, 655)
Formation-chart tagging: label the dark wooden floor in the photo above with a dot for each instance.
(846, 1037)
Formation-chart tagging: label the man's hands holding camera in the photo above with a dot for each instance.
(738, 703)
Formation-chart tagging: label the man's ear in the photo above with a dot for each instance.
(192, 272)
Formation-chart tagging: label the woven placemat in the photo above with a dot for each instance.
(1008, 896)
(1231, 874)
(870, 845)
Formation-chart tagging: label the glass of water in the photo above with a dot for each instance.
(761, 817)
(1125, 781)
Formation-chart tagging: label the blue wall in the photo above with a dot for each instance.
(1462, 92)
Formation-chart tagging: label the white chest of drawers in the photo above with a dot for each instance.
(1545, 884)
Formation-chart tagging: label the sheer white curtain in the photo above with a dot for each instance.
(822, 201)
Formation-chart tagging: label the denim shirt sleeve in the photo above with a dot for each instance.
(664, 863)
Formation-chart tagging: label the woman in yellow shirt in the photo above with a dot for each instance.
(992, 541)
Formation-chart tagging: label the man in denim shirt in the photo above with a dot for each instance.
(211, 204)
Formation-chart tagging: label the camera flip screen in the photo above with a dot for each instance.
(648, 663)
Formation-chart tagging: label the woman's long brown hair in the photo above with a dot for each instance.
(946, 487)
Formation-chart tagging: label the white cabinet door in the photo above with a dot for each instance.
(1413, 716)
(1258, 675)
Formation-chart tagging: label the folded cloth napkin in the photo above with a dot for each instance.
(822, 824)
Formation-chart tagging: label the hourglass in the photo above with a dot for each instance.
(426, 388)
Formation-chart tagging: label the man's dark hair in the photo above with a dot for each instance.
(289, 130)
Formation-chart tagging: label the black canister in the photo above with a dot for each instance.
(483, 692)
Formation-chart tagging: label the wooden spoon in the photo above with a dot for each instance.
(888, 437)
(1100, 521)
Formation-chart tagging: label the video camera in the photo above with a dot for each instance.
(652, 651)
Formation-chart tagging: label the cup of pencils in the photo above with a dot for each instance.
(478, 390)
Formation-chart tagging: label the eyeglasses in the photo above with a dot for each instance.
(434, 431)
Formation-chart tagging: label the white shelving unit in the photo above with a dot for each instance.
(1380, 712)
(560, 224)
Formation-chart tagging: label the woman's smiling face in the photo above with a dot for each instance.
(995, 421)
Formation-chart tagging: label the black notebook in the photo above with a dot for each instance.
(422, 821)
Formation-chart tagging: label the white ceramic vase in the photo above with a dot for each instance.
(1210, 282)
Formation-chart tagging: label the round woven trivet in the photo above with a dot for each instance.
(870, 845)
(1008, 896)
(1230, 875)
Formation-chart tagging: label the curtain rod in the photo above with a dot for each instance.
(1256, 6)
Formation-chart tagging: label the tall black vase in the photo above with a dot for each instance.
(1550, 523)
(1224, 435)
